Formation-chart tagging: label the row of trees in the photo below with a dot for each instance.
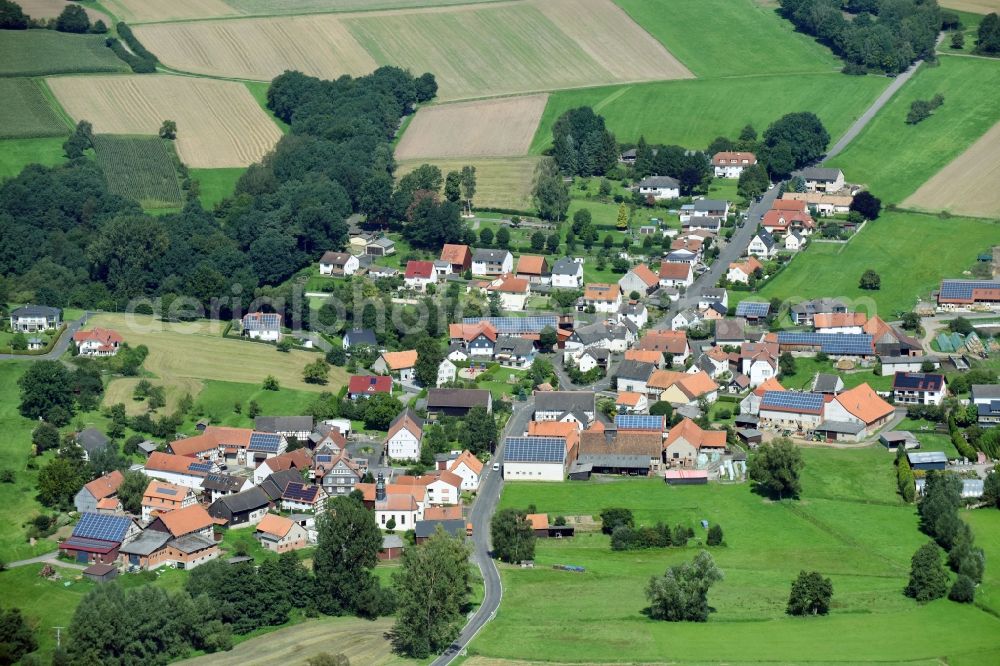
(939, 519)
(879, 36)
(625, 537)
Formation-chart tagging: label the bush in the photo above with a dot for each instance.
(810, 595)
(963, 591)
(714, 535)
(615, 516)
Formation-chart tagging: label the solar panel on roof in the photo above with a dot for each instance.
(200, 467)
(166, 491)
(106, 527)
(831, 343)
(792, 400)
(752, 309)
(963, 288)
(324, 457)
(299, 491)
(639, 422)
(264, 442)
(535, 449)
(514, 325)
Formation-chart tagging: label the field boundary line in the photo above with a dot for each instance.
(420, 9)
(43, 86)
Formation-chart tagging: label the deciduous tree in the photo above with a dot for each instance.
(432, 589)
(347, 551)
(810, 595)
(681, 594)
(928, 579)
(775, 467)
(512, 536)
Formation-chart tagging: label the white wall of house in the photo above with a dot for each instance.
(266, 336)
(173, 477)
(518, 471)
(442, 492)
(470, 480)
(447, 372)
(795, 420)
(404, 445)
(405, 520)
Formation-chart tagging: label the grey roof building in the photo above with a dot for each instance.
(283, 425)
(565, 401)
(827, 383)
(634, 370)
(91, 440)
(360, 336)
(565, 266)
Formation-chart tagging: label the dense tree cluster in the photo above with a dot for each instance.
(691, 169)
(879, 35)
(69, 242)
(921, 109)
(582, 145)
(659, 535)
(681, 594)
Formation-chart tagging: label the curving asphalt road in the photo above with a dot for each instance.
(57, 350)
(483, 509)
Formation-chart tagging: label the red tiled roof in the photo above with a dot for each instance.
(362, 384)
(191, 518)
(675, 270)
(104, 336)
(106, 485)
(729, 158)
(531, 264)
(672, 342)
(419, 269)
(455, 254)
(648, 277)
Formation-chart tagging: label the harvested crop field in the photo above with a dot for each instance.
(180, 352)
(473, 50)
(502, 127)
(974, 6)
(26, 112)
(259, 48)
(156, 10)
(39, 9)
(361, 641)
(40, 52)
(269, 7)
(500, 183)
(219, 123)
(140, 168)
(968, 184)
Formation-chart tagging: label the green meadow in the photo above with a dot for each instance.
(849, 525)
(730, 38)
(15, 154)
(893, 158)
(216, 184)
(911, 252)
(693, 112)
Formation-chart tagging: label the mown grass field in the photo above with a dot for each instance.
(26, 112)
(729, 38)
(15, 154)
(910, 251)
(849, 525)
(39, 52)
(894, 159)
(17, 500)
(140, 168)
(197, 350)
(692, 113)
(500, 183)
(806, 369)
(216, 184)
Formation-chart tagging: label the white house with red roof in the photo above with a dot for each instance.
(469, 468)
(730, 164)
(405, 434)
(513, 291)
(676, 274)
(97, 342)
(364, 386)
(419, 274)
